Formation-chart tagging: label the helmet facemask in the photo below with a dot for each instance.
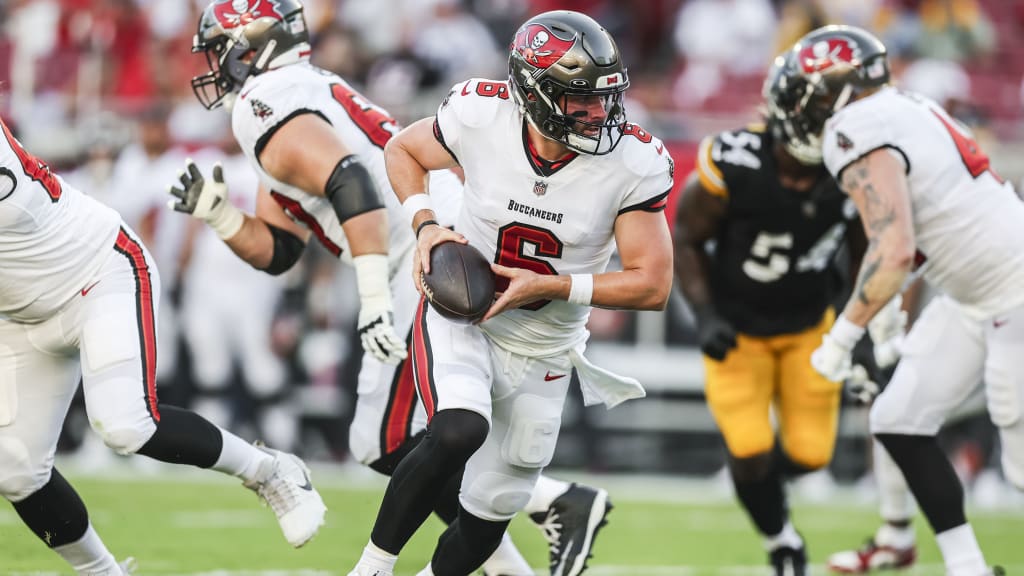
(228, 69)
(583, 130)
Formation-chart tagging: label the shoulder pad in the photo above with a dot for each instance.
(476, 101)
(642, 152)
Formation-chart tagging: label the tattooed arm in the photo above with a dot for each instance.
(877, 184)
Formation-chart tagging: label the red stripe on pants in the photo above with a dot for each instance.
(399, 414)
(421, 360)
(144, 313)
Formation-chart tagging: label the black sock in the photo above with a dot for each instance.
(452, 437)
(931, 478)
(466, 544)
(184, 437)
(760, 489)
(55, 512)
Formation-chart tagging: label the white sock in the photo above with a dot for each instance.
(428, 571)
(788, 538)
(961, 552)
(894, 497)
(377, 559)
(89, 556)
(895, 536)
(241, 459)
(507, 560)
(544, 493)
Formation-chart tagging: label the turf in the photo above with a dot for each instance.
(196, 524)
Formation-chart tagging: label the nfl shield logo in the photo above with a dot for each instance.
(540, 187)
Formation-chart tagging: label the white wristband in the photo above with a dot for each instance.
(415, 203)
(372, 281)
(227, 221)
(846, 333)
(581, 289)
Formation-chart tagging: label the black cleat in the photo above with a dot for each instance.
(570, 525)
(789, 561)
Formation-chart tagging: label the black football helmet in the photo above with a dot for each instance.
(243, 38)
(811, 81)
(562, 54)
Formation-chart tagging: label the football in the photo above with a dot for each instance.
(460, 285)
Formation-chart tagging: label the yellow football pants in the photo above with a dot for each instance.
(763, 373)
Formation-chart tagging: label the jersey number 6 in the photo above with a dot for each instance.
(512, 242)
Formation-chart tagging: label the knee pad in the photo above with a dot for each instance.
(126, 440)
(19, 476)
(458, 433)
(532, 431)
(495, 496)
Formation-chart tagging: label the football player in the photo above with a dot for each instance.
(555, 178)
(79, 297)
(757, 230)
(317, 146)
(927, 196)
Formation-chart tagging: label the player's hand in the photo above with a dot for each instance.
(197, 195)
(832, 359)
(430, 236)
(715, 334)
(524, 287)
(206, 199)
(888, 329)
(860, 386)
(377, 333)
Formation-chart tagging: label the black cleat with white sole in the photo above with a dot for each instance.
(570, 525)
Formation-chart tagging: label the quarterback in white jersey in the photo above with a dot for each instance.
(928, 197)
(554, 179)
(79, 297)
(275, 109)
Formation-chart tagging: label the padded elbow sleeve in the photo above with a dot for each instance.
(351, 189)
(287, 249)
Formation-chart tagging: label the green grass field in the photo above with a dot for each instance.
(203, 524)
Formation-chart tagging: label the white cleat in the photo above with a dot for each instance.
(286, 487)
(128, 566)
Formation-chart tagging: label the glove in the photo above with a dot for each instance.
(832, 358)
(860, 386)
(887, 330)
(376, 323)
(714, 333)
(206, 200)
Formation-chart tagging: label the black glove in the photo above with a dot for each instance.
(714, 333)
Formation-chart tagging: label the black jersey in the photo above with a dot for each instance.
(772, 262)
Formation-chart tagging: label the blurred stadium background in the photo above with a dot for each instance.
(100, 88)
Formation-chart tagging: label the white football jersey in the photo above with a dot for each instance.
(557, 218)
(53, 238)
(968, 223)
(267, 101)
